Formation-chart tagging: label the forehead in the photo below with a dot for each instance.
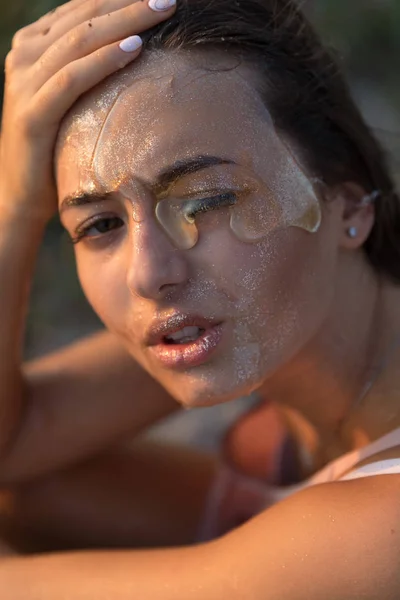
(160, 110)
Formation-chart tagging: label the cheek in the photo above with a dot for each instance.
(103, 280)
(288, 265)
(304, 275)
(275, 294)
(287, 291)
(298, 290)
(282, 290)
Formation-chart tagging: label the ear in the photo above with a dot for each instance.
(358, 216)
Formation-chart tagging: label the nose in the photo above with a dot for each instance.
(156, 267)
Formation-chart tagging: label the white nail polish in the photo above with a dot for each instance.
(161, 4)
(131, 44)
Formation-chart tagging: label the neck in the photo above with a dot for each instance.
(330, 393)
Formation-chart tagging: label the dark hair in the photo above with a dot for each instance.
(306, 94)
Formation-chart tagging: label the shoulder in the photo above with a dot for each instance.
(334, 541)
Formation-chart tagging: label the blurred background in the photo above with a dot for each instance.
(365, 37)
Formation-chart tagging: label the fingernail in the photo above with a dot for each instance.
(131, 43)
(161, 4)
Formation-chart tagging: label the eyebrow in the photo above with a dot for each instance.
(164, 180)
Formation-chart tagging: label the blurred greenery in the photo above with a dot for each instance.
(365, 36)
(17, 14)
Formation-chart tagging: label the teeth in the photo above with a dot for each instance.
(187, 334)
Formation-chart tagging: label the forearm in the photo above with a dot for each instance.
(181, 574)
(80, 401)
(20, 238)
(68, 406)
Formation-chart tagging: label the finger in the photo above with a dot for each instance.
(86, 39)
(59, 93)
(84, 11)
(45, 22)
(52, 26)
(33, 40)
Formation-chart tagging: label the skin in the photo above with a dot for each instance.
(320, 379)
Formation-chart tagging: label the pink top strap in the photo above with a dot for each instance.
(380, 467)
(337, 468)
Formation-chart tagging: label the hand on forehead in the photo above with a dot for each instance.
(168, 110)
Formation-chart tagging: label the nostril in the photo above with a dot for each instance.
(155, 273)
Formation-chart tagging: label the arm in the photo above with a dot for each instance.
(76, 402)
(66, 406)
(56, 411)
(336, 541)
(19, 241)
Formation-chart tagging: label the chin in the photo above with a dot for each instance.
(198, 393)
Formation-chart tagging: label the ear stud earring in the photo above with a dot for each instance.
(352, 232)
(368, 199)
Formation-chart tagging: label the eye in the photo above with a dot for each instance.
(194, 207)
(97, 227)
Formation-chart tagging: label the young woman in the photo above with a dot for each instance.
(237, 231)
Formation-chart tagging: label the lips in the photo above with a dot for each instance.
(185, 335)
(183, 341)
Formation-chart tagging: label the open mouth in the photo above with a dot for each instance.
(186, 335)
(187, 345)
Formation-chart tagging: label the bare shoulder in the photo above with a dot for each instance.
(334, 541)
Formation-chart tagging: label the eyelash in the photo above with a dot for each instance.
(82, 231)
(192, 208)
(195, 207)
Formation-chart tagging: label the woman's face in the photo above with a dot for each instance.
(199, 241)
